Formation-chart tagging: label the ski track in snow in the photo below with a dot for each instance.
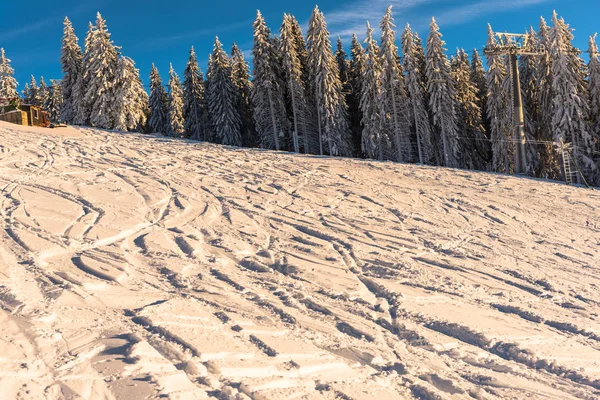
(143, 267)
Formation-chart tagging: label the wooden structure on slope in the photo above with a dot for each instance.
(25, 114)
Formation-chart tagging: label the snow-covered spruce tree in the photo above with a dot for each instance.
(82, 105)
(131, 100)
(414, 87)
(332, 120)
(34, 92)
(26, 93)
(357, 68)
(268, 91)
(420, 56)
(594, 85)
(302, 53)
(478, 79)
(222, 98)
(43, 93)
(8, 83)
(442, 94)
(594, 99)
(528, 65)
(375, 142)
(71, 61)
(55, 100)
(240, 72)
(472, 148)
(175, 107)
(393, 94)
(549, 161)
(158, 120)
(302, 130)
(102, 60)
(343, 66)
(594, 93)
(195, 113)
(497, 108)
(569, 100)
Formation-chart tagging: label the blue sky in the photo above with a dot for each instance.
(161, 32)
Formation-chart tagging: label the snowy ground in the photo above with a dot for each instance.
(143, 267)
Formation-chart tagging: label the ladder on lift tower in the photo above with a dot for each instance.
(569, 174)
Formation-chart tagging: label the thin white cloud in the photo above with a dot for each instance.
(352, 18)
(53, 21)
(469, 12)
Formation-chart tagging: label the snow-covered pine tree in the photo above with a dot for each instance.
(82, 107)
(569, 100)
(393, 94)
(594, 86)
(472, 149)
(34, 92)
(375, 142)
(175, 107)
(549, 162)
(71, 61)
(268, 91)
(26, 93)
(497, 108)
(414, 87)
(222, 98)
(302, 134)
(43, 93)
(158, 120)
(131, 100)
(8, 83)
(302, 53)
(195, 113)
(594, 99)
(55, 100)
(240, 72)
(528, 66)
(478, 79)
(420, 56)
(101, 61)
(331, 110)
(343, 66)
(442, 94)
(357, 68)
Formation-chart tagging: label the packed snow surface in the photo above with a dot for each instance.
(137, 267)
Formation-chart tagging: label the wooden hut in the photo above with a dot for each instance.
(26, 114)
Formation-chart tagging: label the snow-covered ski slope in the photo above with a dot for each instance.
(137, 267)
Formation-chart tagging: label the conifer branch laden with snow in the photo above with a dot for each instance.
(175, 105)
(414, 87)
(393, 94)
(470, 117)
(100, 72)
(240, 73)
(498, 108)
(375, 143)
(71, 61)
(131, 102)
(442, 94)
(268, 88)
(158, 121)
(329, 101)
(55, 101)
(302, 134)
(8, 83)
(195, 112)
(222, 98)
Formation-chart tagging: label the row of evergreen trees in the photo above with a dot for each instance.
(303, 97)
